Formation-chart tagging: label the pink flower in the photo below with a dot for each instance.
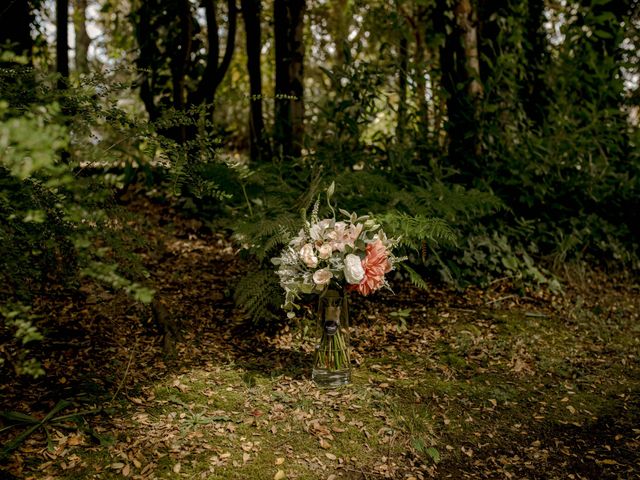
(375, 265)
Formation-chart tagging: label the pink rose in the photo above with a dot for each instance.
(322, 276)
(307, 256)
(325, 251)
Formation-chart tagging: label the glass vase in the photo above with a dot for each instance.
(332, 360)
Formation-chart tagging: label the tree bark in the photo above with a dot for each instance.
(289, 46)
(62, 41)
(339, 16)
(215, 69)
(460, 81)
(15, 27)
(403, 68)
(466, 20)
(251, 17)
(148, 52)
(82, 37)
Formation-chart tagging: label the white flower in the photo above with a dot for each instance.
(322, 276)
(317, 230)
(298, 241)
(353, 271)
(307, 256)
(325, 251)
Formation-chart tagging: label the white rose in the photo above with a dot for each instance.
(353, 271)
(325, 251)
(307, 256)
(322, 276)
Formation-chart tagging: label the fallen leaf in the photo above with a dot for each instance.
(279, 475)
(279, 461)
(177, 467)
(467, 451)
(330, 456)
(75, 440)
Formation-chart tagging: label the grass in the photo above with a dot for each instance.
(485, 393)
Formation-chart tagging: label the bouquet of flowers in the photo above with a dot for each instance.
(352, 254)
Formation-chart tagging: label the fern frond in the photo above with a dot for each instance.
(259, 294)
(414, 276)
(415, 230)
(262, 237)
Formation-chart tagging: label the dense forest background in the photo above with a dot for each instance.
(499, 138)
(155, 155)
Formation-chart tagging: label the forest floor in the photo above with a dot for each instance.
(475, 384)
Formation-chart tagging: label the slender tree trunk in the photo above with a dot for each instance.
(179, 63)
(82, 37)
(460, 81)
(289, 126)
(402, 88)
(15, 26)
(215, 69)
(148, 52)
(466, 20)
(251, 16)
(15, 36)
(340, 22)
(62, 41)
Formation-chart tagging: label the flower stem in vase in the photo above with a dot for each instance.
(332, 361)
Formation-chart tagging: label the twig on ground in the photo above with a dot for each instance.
(506, 297)
(126, 372)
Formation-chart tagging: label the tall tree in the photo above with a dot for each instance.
(82, 37)
(460, 72)
(251, 17)
(16, 81)
(15, 27)
(289, 52)
(534, 87)
(62, 40)
(403, 73)
(215, 70)
(168, 35)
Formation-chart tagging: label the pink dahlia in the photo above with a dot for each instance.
(375, 264)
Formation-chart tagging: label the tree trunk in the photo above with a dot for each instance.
(466, 21)
(15, 27)
(251, 17)
(82, 37)
(62, 41)
(145, 61)
(402, 88)
(460, 70)
(339, 16)
(215, 69)
(289, 46)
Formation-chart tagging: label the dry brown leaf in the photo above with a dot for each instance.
(279, 475)
(75, 440)
(279, 461)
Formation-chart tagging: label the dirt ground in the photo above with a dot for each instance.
(480, 384)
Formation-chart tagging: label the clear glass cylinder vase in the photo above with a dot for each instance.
(332, 360)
